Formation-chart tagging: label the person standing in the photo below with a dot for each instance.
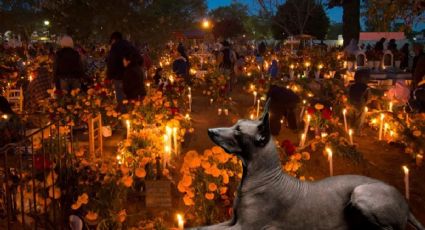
(358, 96)
(133, 80)
(115, 67)
(68, 68)
(418, 67)
(405, 56)
(379, 46)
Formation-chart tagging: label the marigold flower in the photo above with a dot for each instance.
(306, 156)
(187, 180)
(223, 190)
(91, 216)
(318, 106)
(122, 215)
(76, 205)
(188, 201)
(209, 196)
(417, 133)
(212, 187)
(127, 181)
(140, 172)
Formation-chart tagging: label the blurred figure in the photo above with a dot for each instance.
(68, 70)
(399, 92)
(37, 88)
(379, 46)
(352, 47)
(418, 67)
(405, 52)
(115, 67)
(358, 96)
(392, 46)
(273, 69)
(283, 103)
(133, 82)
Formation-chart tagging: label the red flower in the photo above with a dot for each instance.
(97, 87)
(174, 110)
(326, 114)
(39, 165)
(288, 147)
(311, 110)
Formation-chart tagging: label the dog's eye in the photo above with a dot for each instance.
(237, 131)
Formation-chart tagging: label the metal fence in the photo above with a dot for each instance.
(30, 196)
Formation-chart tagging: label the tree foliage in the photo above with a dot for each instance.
(350, 18)
(301, 17)
(229, 20)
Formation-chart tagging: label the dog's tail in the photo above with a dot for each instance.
(414, 222)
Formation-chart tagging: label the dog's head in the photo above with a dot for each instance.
(245, 136)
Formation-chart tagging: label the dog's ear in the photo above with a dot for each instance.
(263, 134)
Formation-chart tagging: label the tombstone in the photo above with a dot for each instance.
(387, 59)
(95, 136)
(158, 194)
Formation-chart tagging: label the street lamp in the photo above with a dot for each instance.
(46, 22)
(206, 24)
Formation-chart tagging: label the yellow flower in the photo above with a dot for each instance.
(306, 156)
(91, 216)
(140, 172)
(186, 181)
(417, 133)
(297, 156)
(127, 181)
(122, 215)
(188, 201)
(209, 196)
(225, 177)
(318, 106)
(223, 190)
(212, 187)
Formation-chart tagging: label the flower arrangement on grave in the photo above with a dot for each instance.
(208, 182)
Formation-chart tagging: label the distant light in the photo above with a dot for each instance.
(206, 24)
(46, 22)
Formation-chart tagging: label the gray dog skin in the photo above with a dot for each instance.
(267, 198)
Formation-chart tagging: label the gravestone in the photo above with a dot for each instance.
(158, 194)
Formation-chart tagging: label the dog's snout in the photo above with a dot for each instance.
(212, 132)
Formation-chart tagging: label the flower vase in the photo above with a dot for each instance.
(397, 64)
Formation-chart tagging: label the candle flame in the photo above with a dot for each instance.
(344, 111)
(366, 109)
(405, 169)
(329, 151)
(350, 132)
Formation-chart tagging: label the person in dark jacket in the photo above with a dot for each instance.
(379, 46)
(133, 80)
(180, 65)
(283, 104)
(358, 96)
(115, 67)
(404, 64)
(418, 67)
(392, 46)
(68, 70)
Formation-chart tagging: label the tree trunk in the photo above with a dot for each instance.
(350, 20)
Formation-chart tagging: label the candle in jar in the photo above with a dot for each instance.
(406, 181)
(350, 134)
(344, 113)
(255, 97)
(331, 169)
(180, 222)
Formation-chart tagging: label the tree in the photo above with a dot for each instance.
(300, 17)
(350, 18)
(228, 20)
(393, 15)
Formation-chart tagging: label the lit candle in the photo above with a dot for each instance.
(324, 135)
(176, 148)
(226, 112)
(302, 140)
(302, 109)
(407, 120)
(211, 101)
(149, 86)
(406, 181)
(350, 133)
(219, 111)
(180, 222)
(187, 117)
(252, 116)
(381, 126)
(128, 128)
(419, 159)
(344, 113)
(391, 106)
(190, 102)
(331, 167)
(258, 107)
(307, 124)
(169, 132)
(190, 91)
(385, 129)
(255, 97)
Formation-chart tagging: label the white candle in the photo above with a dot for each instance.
(128, 128)
(407, 120)
(406, 181)
(258, 107)
(180, 222)
(385, 129)
(331, 169)
(169, 132)
(391, 106)
(344, 113)
(226, 112)
(219, 111)
(302, 109)
(307, 124)
(302, 140)
(211, 101)
(176, 148)
(381, 126)
(251, 116)
(350, 133)
(190, 102)
(255, 97)
(149, 86)
(190, 91)
(167, 150)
